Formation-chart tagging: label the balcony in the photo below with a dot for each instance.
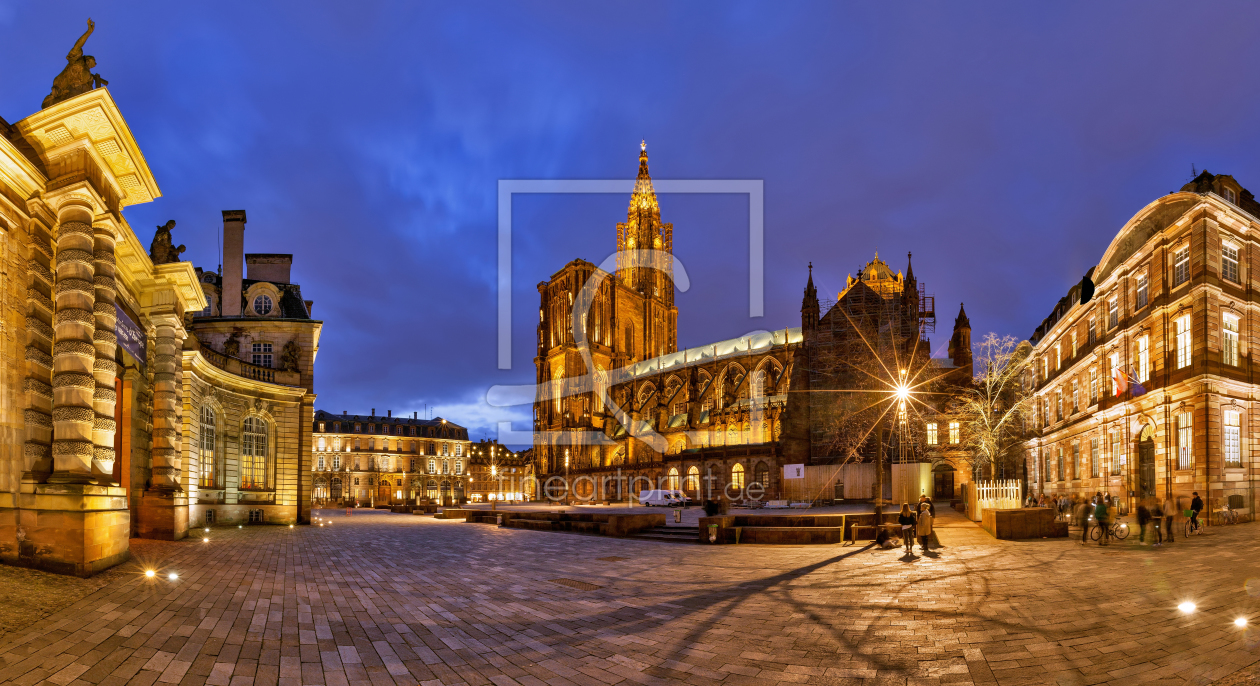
(247, 370)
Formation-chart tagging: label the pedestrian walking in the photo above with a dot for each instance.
(908, 523)
(1157, 519)
(1143, 519)
(1083, 510)
(924, 527)
(1170, 512)
(1196, 506)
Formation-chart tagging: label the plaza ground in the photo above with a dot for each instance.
(401, 599)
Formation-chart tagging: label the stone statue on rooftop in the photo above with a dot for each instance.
(161, 250)
(77, 77)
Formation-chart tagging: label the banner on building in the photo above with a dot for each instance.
(130, 336)
(794, 471)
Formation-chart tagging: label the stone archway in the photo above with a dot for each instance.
(1146, 462)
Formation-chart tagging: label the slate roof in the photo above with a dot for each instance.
(435, 426)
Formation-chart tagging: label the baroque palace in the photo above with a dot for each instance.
(1143, 375)
(620, 410)
(120, 417)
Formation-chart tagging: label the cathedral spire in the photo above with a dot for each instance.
(643, 199)
(810, 313)
(909, 270)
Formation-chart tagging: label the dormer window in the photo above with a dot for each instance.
(1230, 196)
(262, 305)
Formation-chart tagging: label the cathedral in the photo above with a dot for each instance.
(619, 409)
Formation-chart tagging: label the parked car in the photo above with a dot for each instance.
(683, 498)
(657, 498)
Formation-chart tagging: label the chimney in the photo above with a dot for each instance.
(273, 267)
(233, 261)
(415, 415)
(389, 414)
(373, 411)
(344, 413)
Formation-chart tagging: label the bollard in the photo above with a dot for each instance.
(713, 533)
(500, 520)
(678, 516)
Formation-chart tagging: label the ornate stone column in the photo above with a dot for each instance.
(74, 355)
(104, 397)
(167, 408)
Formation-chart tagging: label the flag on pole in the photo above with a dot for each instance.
(1119, 380)
(1134, 385)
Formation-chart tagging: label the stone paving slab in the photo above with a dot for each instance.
(401, 599)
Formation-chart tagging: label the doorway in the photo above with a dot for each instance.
(1146, 462)
(943, 482)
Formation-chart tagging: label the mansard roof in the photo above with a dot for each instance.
(452, 429)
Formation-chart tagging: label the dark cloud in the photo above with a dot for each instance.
(1003, 143)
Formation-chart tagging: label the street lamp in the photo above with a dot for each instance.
(566, 477)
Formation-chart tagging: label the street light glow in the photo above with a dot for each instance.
(150, 573)
(1240, 622)
(1187, 607)
(902, 392)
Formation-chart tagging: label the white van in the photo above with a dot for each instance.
(658, 499)
(682, 498)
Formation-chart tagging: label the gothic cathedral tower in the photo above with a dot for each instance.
(645, 275)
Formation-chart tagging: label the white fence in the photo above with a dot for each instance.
(995, 495)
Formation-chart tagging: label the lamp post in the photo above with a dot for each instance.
(566, 477)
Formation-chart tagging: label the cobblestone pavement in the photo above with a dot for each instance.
(402, 599)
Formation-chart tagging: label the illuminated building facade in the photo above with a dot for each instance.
(370, 461)
(1143, 375)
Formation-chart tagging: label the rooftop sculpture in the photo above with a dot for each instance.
(77, 77)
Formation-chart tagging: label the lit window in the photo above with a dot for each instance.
(254, 454)
(459, 466)
(1181, 266)
(321, 427)
(1183, 341)
(432, 466)
(459, 449)
(209, 479)
(737, 475)
(321, 463)
(1117, 454)
(323, 444)
(1061, 473)
(336, 462)
(1185, 438)
(262, 354)
(1141, 291)
(1075, 405)
(931, 433)
(1093, 458)
(1058, 357)
(1058, 404)
(1144, 358)
(1229, 342)
(1093, 385)
(1229, 262)
(1074, 344)
(1115, 373)
(1076, 460)
(1093, 335)
(1233, 452)
(1113, 313)
(262, 305)
(953, 433)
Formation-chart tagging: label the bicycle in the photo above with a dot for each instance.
(1119, 530)
(1226, 515)
(1192, 526)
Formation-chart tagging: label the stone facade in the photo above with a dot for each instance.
(1143, 374)
(371, 461)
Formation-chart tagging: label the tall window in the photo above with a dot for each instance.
(1229, 340)
(1076, 460)
(1117, 454)
(1232, 445)
(1115, 373)
(737, 475)
(931, 433)
(1144, 358)
(262, 354)
(673, 479)
(1181, 266)
(459, 466)
(1229, 262)
(209, 477)
(1185, 438)
(432, 466)
(321, 463)
(1183, 341)
(336, 462)
(1074, 344)
(1141, 291)
(953, 433)
(1076, 406)
(693, 479)
(1061, 474)
(254, 454)
(1058, 357)
(1093, 333)
(1113, 313)
(1093, 458)
(1093, 385)
(323, 444)
(1058, 405)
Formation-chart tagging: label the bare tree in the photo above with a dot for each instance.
(992, 409)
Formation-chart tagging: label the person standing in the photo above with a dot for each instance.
(924, 527)
(1083, 511)
(908, 523)
(1170, 512)
(1102, 516)
(1196, 506)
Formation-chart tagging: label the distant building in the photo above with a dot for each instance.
(370, 461)
(1143, 374)
(496, 473)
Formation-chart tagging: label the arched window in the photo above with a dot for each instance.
(732, 434)
(209, 477)
(321, 489)
(673, 479)
(693, 479)
(746, 433)
(679, 446)
(759, 384)
(556, 388)
(762, 475)
(254, 454)
(737, 475)
(765, 432)
(601, 388)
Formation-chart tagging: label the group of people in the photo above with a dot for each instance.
(916, 524)
(1152, 514)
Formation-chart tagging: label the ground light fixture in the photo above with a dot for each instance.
(206, 539)
(1240, 622)
(1187, 607)
(150, 573)
(172, 576)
